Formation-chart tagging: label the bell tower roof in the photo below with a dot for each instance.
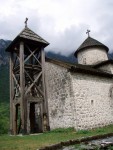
(90, 42)
(27, 35)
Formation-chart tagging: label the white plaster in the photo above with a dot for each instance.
(91, 56)
(78, 100)
(89, 88)
(60, 96)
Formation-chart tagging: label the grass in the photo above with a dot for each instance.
(34, 142)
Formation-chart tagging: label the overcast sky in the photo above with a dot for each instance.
(63, 23)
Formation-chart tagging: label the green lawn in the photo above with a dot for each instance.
(33, 142)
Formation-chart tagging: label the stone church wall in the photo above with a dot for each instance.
(60, 96)
(93, 98)
(92, 56)
(78, 100)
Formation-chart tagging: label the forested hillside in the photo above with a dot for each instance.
(4, 87)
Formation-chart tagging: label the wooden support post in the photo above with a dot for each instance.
(14, 119)
(11, 94)
(45, 103)
(22, 88)
(28, 118)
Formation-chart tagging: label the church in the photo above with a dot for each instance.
(46, 94)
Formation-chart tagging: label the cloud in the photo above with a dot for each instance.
(63, 23)
(68, 40)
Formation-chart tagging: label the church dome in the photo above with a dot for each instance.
(91, 52)
(90, 42)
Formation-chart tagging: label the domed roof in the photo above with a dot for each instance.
(90, 42)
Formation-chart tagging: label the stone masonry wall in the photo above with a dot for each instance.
(93, 98)
(92, 56)
(60, 96)
(78, 100)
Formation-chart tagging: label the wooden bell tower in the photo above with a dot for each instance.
(28, 97)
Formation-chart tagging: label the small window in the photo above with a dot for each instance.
(111, 92)
(92, 102)
(84, 60)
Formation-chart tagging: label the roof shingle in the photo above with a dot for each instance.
(27, 34)
(90, 42)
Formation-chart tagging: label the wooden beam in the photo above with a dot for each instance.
(45, 104)
(22, 87)
(11, 93)
(30, 55)
(29, 88)
(34, 83)
(28, 118)
(33, 55)
(14, 62)
(14, 119)
(16, 80)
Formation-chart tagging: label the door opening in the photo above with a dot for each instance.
(35, 118)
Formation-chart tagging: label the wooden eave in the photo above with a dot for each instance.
(103, 63)
(80, 68)
(91, 71)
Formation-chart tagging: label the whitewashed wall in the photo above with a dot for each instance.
(60, 96)
(93, 100)
(78, 100)
(92, 56)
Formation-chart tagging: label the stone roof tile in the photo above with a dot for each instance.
(29, 34)
(90, 42)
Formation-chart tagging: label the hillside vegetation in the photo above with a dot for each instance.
(4, 84)
(4, 99)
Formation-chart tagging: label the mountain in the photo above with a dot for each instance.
(71, 58)
(3, 55)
